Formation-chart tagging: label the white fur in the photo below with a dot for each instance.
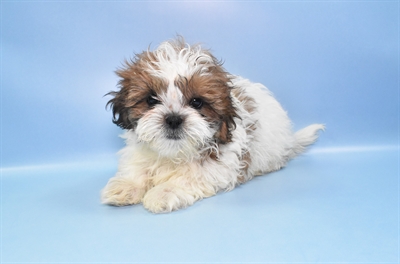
(185, 62)
(167, 175)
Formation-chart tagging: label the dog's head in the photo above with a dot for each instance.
(176, 99)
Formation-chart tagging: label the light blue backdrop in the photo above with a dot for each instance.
(329, 62)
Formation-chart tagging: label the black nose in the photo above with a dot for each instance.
(174, 121)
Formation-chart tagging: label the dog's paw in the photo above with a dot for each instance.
(121, 191)
(165, 198)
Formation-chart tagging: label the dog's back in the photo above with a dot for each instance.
(271, 139)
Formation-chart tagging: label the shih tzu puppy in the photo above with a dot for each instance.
(192, 129)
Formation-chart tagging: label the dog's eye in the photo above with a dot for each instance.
(196, 103)
(151, 100)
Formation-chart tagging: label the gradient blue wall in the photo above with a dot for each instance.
(328, 62)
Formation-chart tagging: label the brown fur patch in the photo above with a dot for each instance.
(136, 85)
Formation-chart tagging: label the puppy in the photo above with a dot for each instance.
(192, 129)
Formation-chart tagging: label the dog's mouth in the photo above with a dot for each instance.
(174, 135)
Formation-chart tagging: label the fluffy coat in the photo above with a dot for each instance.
(192, 129)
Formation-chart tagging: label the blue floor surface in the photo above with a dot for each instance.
(325, 206)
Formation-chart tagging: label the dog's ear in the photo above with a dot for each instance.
(119, 109)
(136, 85)
(226, 114)
(224, 134)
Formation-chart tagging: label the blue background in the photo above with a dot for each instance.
(331, 62)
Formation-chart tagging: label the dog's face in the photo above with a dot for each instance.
(176, 99)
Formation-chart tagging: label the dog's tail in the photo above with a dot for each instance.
(305, 137)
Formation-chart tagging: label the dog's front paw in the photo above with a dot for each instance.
(121, 191)
(165, 198)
